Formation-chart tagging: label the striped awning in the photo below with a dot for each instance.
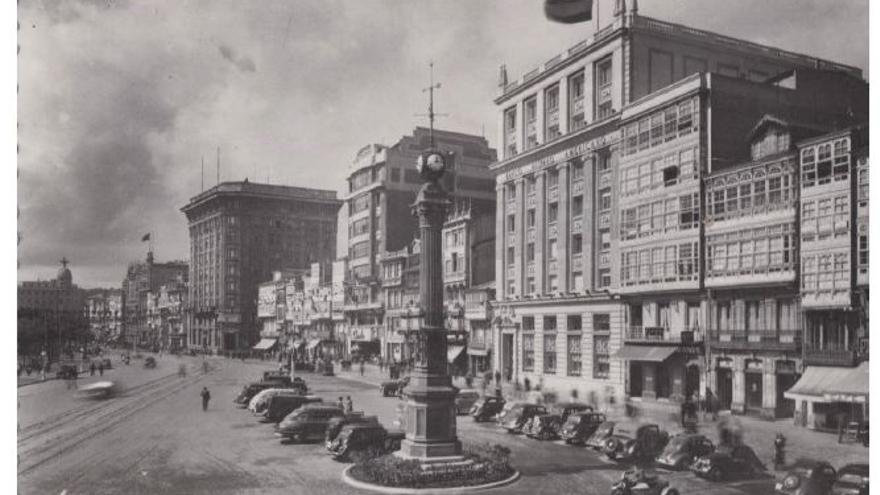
(832, 384)
(265, 344)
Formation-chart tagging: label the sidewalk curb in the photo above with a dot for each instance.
(349, 480)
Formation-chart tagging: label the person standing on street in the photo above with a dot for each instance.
(349, 407)
(341, 403)
(101, 368)
(362, 366)
(206, 396)
(92, 369)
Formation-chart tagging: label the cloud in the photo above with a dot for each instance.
(120, 102)
(244, 63)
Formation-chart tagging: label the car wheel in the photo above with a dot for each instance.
(715, 474)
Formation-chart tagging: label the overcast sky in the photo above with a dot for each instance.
(119, 101)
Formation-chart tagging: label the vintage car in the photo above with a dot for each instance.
(729, 462)
(280, 406)
(852, 479)
(335, 425)
(508, 406)
(150, 362)
(363, 439)
(642, 442)
(565, 409)
(98, 390)
(579, 426)
(543, 427)
(259, 402)
(519, 415)
(393, 388)
(249, 391)
(637, 481)
(465, 399)
(596, 441)
(807, 477)
(309, 422)
(486, 408)
(682, 449)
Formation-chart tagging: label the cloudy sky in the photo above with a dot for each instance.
(119, 100)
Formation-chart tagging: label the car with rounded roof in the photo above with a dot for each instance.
(580, 426)
(485, 408)
(597, 440)
(852, 479)
(807, 477)
(308, 422)
(632, 443)
(682, 449)
(728, 463)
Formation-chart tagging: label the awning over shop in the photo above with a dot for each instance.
(298, 343)
(313, 343)
(477, 352)
(832, 384)
(652, 353)
(453, 352)
(265, 344)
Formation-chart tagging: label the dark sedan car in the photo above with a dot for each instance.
(280, 406)
(486, 407)
(640, 443)
(807, 477)
(521, 414)
(852, 479)
(727, 463)
(543, 427)
(309, 422)
(681, 451)
(363, 439)
(566, 409)
(596, 441)
(579, 426)
(250, 390)
(355, 418)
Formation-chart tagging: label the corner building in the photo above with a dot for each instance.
(241, 232)
(600, 191)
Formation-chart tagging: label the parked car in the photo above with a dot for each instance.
(506, 409)
(280, 406)
(597, 440)
(259, 402)
(566, 409)
(335, 425)
(544, 427)
(363, 439)
(465, 399)
(852, 479)
(393, 387)
(517, 417)
(249, 391)
(150, 362)
(729, 463)
(579, 426)
(639, 482)
(640, 443)
(486, 408)
(309, 422)
(807, 477)
(682, 449)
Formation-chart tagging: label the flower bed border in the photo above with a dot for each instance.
(363, 485)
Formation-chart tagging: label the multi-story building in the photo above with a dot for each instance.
(468, 275)
(141, 280)
(52, 315)
(400, 286)
(105, 313)
(599, 240)
(382, 185)
(833, 279)
(240, 232)
(171, 305)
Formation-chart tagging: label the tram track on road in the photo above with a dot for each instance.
(48, 439)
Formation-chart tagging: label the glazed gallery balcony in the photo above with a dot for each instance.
(830, 356)
(642, 334)
(763, 339)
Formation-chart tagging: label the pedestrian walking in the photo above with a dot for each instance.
(349, 407)
(341, 403)
(497, 377)
(101, 368)
(181, 370)
(206, 396)
(92, 369)
(527, 384)
(362, 367)
(205, 366)
(779, 447)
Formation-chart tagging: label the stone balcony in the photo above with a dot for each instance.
(764, 339)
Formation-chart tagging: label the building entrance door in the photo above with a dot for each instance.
(724, 387)
(635, 380)
(692, 381)
(229, 341)
(784, 407)
(754, 391)
(507, 356)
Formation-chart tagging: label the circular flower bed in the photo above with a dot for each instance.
(488, 464)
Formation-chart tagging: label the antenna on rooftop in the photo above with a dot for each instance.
(431, 114)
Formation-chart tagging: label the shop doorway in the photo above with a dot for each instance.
(724, 386)
(507, 356)
(754, 391)
(692, 381)
(635, 380)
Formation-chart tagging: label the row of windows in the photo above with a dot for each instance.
(663, 126)
(601, 322)
(823, 163)
(666, 171)
(818, 219)
(574, 350)
(360, 250)
(774, 141)
(760, 254)
(676, 263)
(749, 193)
(660, 216)
(826, 273)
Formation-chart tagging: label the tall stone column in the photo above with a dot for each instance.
(430, 425)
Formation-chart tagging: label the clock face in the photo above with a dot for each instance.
(435, 162)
